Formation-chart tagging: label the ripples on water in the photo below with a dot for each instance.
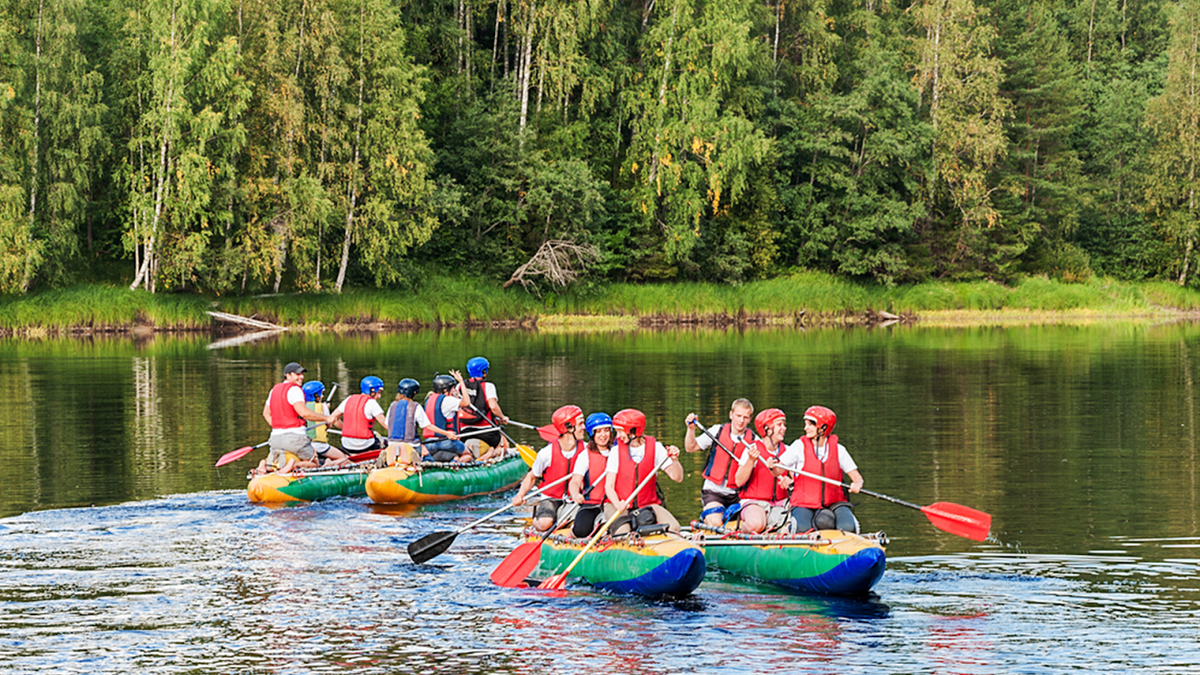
(208, 583)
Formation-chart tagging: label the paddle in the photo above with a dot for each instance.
(515, 568)
(547, 433)
(432, 545)
(556, 582)
(957, 519)
(239, 453)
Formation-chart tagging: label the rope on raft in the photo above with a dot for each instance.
(776, 537)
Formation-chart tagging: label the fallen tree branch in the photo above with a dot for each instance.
(558, 261)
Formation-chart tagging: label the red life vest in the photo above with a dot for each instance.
(630, 474)
(283, 414)
(722, 469)
(593, 480)
(763, 484)
(354, 422)
(559, 467)
(468, 417)
(814, 494)
(433, 412)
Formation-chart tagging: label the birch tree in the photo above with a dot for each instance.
(1174, 118)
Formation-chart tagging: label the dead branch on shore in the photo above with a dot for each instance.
(559, 261)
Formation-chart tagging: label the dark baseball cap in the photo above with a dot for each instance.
(293, 367)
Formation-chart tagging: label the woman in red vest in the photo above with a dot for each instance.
(552, 463)
(587, 477)
(817, 504)
(636, 457)
(764, 500)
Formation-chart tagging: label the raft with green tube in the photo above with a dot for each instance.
(442, 482)
(830, 562)
(657, 565)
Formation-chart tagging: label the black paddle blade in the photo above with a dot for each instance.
(430, 546)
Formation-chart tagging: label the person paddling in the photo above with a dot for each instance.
(285, 412)
(479, 408)
(636, 457)
(817, 504)
(441, 409)
(407, 421)
(314, 399)
(587, 477)
(719, 491)
(764, 501)
(552, 463)
(358, 414)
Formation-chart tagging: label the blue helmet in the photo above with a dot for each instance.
(597, 421)
(409, 387)
(370, 384)
(477, 367)
(313, 390)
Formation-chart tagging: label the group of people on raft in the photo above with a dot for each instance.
(459, 421)
(754, 479)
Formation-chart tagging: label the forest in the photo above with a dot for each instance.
(233, 147)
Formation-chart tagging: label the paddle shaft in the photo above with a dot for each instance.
(839, 483)
(498, 511)
(620, 509)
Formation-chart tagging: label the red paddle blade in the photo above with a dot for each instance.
(963, 521)
(548, 433)
(514, 570)
(235, 455)
(554, 583)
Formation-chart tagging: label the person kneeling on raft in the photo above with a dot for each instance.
(628, 465)
(360, 412)
(817, 504)
(408, 422)
(553, 463)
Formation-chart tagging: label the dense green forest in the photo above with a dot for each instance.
(237, 146)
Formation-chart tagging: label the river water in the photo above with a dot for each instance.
(123, 550)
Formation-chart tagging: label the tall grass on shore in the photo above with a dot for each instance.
(436, 302)
(102, 307)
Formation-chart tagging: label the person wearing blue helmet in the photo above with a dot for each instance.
(407, 422)
(479, 408)
(360, 413)
(314, 395)
(587, 476)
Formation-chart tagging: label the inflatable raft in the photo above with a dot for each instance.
(307, 485)
(827, 561)
(655, 566)
(432, 483)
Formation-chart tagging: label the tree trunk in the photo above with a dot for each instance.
(662, 92)
(525, 62)
(351, 188)
(35, 160)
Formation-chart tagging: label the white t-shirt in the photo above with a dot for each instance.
(294, 395)
(705, 442)
(636, 454)
(546, 455)
(794, 456)
(450, 406)
(370, 410)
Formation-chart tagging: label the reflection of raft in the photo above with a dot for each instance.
(443, 482)
(828, 561)
(656, 565)
(307, 486)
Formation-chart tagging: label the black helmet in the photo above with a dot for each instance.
(409, 387)
(442, 383)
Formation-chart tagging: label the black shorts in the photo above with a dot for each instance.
(492, 438)
(725, 500)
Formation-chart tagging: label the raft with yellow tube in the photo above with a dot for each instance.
(434, 483)
(307, 485)
(656, 565)
(829, 562)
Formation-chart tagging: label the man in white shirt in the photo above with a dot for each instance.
(720, 471)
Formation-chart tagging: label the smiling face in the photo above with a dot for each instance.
(603, 437)
(810, 428)
(739, 418)
(778, 430)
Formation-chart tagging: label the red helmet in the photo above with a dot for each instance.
(823, 417)
(564, 418)
(766, 419)
(632, 422)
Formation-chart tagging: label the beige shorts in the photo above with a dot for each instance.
(299, 445)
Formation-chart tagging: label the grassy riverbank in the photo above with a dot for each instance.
(808, 298)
